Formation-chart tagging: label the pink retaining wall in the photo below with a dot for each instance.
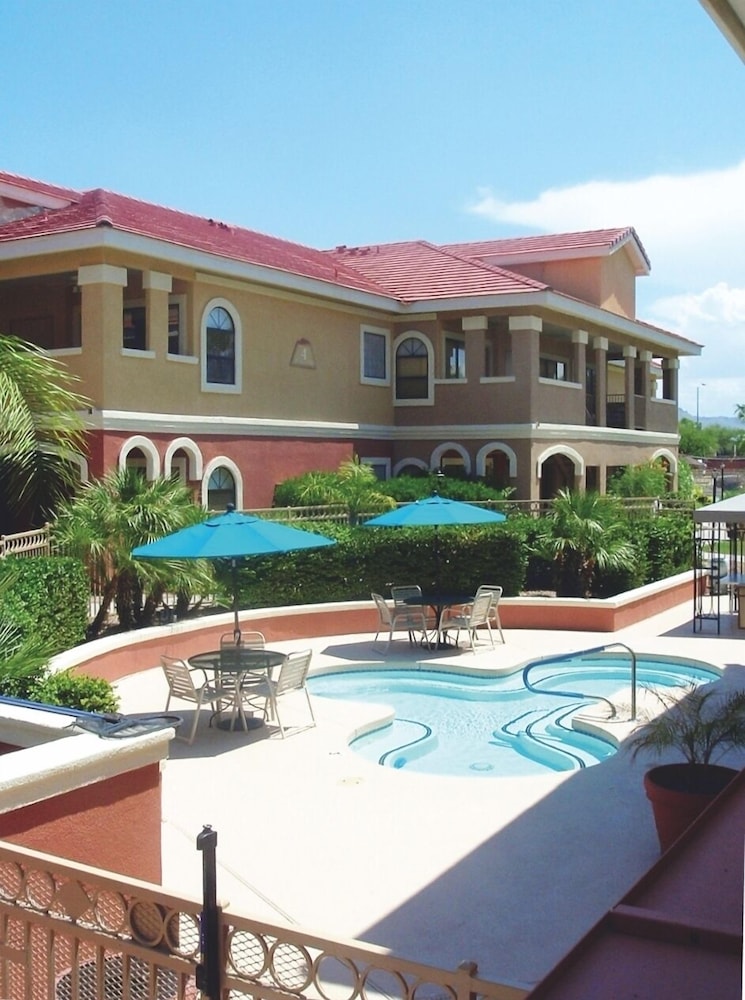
(126, 653)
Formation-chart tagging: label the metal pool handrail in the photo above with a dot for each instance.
(563, 657)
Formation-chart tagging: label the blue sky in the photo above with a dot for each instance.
(362, 121)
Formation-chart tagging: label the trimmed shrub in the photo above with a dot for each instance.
(371, 559)
(48, 600)
(69, 690)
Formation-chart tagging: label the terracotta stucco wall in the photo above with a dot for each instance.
(113, 824)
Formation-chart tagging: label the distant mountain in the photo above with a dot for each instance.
(707, 421)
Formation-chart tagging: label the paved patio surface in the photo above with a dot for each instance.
(507, 872)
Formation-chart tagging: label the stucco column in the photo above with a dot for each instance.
(474, 328)
(580, 339)
(525, 335)
(670, 370)
(157, 288)
(645, 360)
(101, 304)
(600, 349)
(629, 366)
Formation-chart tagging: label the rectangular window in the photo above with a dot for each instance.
(134, 329)
(374, 356)
(174, 327)
(455, 358)
(554, 369)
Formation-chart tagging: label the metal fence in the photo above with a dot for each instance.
(70, 932)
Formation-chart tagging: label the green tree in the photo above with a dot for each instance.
(700, 441)
(107, 519)
(647, 480)
(353, 486)
(41, 433)
(583, 532)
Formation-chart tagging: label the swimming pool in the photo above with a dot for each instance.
(460, 724)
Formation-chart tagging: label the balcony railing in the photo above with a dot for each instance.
(70, 932)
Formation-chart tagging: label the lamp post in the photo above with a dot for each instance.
(698, 390)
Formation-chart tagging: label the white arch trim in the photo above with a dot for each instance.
(221, 462)
(406, 462)
(231, 310)
(669, 457)
(441, 449)
(483, 454)
(146, 446)
(416, 335)
(193, 453)
(562, 449)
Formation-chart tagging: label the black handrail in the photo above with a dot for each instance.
(563, 657)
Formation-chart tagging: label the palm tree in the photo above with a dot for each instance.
(41, 431)
(354, 486)
(112, 515)
(583, 532)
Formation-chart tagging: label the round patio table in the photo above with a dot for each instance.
(439, 601)
(238, 660)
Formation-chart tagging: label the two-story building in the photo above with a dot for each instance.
(236, 359)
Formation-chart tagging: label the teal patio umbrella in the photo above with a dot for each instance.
(232, 536)
(435, 511)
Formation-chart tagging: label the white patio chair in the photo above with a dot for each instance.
(469, 620)
(291, 679)
(230, 663)
(408, 597)
(182, 685)
(399, 619)
(494, 618)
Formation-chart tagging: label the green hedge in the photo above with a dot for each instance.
(371, 559)
(48, 600)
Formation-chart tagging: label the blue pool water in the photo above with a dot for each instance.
(450, 723)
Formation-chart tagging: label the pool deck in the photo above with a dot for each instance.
(506, 872)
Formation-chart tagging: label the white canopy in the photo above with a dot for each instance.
(729, 511)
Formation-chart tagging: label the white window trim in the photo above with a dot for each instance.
(382, 332)
(235, 316)
(429, 399)
(223, 462)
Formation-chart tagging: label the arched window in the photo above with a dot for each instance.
(412, 369)
(220, 489)
(221, 347)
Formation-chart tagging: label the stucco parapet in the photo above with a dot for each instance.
(59, 765)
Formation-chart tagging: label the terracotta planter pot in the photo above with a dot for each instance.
(679, 792)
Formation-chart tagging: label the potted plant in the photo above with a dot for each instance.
(701, 726)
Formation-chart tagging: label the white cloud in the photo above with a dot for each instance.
(693, 229)
(716, 319)
(692, 225)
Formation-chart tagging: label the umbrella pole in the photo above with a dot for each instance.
(236, 624)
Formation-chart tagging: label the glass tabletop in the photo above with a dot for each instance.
(237, 659)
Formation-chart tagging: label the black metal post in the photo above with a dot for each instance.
(209, 969)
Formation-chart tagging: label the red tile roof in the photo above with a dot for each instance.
(407, 271)
(104, 208)
(513, 248)
(419, 270)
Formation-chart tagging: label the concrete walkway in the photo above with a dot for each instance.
(507, 872)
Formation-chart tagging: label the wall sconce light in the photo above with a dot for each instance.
(302, 354)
